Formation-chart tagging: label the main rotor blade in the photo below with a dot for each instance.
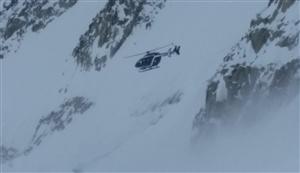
(142, 53)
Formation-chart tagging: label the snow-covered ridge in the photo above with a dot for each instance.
(59, 119)
(262, 68)
(18, 17)
(56, 120)
(110, 29)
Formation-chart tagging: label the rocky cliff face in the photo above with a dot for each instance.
(110, 29)
(18, 17)
(261, 70)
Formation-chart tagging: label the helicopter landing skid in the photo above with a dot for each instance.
(148, 69)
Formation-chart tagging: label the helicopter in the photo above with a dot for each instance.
(152, 58)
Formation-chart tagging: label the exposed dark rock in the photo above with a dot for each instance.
(55, 121)
(285, 78)
(258, 38)
(290, 41)
(7, 153)
(19, 17)
(250, 84)
(110, 29)
(276, 34)
(174, 99)
(285, 4)
(240, 81)
(245, 86)
(100, 62)
(66, 3)
(9, 4)
(13, 25)
(270, 2)
(157, 107)
(58, 120)
(282, 5)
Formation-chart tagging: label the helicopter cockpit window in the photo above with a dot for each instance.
(156, 60)
(147, 61)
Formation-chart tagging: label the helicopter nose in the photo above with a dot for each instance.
(138, 64)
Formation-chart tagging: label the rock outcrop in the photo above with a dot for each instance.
(18, 17)
(261, 70)
(55, 121)
(111, 27)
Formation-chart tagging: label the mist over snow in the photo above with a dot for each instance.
(72, 100)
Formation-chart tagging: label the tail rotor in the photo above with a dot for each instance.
(177, 50)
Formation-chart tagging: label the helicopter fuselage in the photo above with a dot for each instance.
(150, 60)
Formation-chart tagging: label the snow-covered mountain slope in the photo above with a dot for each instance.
(58, 117)
(261, 70)
(110, 29)
(18, 17)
